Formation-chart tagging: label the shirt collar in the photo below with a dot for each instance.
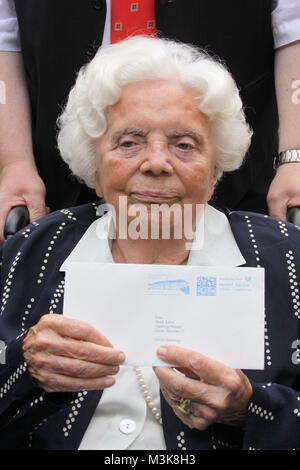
(213, 245)
(219, 247)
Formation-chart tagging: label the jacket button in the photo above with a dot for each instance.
(98, 4)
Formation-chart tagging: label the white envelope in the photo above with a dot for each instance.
(217, 311)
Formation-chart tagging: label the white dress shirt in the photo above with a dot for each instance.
(122, 419)
(9, 28)
(285, 22)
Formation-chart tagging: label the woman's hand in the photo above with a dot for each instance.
(15, 190)
(220, 396)
(66, 355)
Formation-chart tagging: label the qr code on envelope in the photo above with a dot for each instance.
(206, 285)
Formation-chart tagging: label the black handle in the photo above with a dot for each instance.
(17, 218)
(293, 215)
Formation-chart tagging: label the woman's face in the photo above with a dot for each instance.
(157, 149)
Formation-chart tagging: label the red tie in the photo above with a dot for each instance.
(131, 19)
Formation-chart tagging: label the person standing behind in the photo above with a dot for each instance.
(57, 38)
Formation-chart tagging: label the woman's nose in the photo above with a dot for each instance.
(157, 161)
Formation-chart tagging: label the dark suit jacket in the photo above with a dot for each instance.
(59, 37)
(31, 286)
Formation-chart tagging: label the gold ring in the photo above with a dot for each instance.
(184, 406)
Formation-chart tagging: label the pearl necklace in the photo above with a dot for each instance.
(146, 394)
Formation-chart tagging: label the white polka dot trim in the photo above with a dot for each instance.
(283, 228)
(26, 233)
(225, 444)
(8, 282)
(27, 312)
(268, 358)
(181, 441)
(36, 427)
(48, 252)
(59, 291)
(265, 414)
(293, 281)
(73, 414)
(37, 400)
(296, 411)
(266, 385)
(68, 213)
(253, 241)
(12, 379)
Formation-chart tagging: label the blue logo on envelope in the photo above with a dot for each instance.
(170, 285)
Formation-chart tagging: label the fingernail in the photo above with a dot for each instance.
(122, 357)
(162, 351)
(109, 381)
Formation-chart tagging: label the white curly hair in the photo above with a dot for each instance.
(100, 82)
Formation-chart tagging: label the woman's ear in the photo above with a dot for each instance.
(98, 187)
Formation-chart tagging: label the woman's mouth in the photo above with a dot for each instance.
(152, 196)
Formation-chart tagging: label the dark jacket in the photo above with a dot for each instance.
(32, 285)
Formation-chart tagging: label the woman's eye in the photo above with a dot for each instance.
(184, 146)
(127, 144)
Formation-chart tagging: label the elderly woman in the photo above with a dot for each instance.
(150, 122)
